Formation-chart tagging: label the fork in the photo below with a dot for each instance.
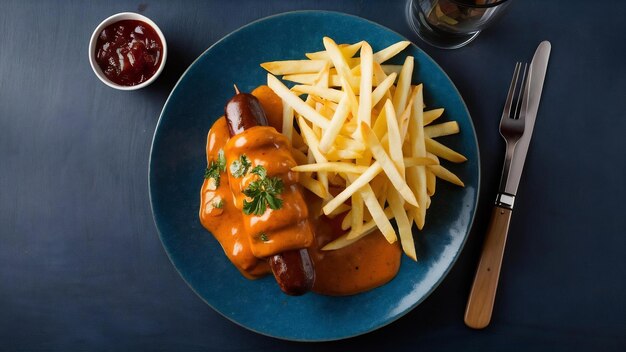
(512, 124)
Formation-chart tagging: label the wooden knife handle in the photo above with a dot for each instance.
(483, 294)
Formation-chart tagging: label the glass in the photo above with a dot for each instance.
(451, 24)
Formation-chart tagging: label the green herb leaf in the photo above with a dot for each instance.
(263, 237)
(260, 171)
(221, 160)
(239, 167)
(263, 192)
(216, 168)
(219, 204)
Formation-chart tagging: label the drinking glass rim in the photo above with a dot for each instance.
(479, 6)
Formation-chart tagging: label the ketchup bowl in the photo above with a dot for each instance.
(127, 51)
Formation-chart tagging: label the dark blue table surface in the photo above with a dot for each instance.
(81, 265)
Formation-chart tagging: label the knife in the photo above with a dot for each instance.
(483, 293)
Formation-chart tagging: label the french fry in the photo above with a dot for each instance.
(365, 97)
(342, 154)
(322, 101)
(382, 89)
(395, 141)
(334, 80)
(418, 149)
(379, 185)
(310, 101)
(380, 76)
(348, 128)
(380, 124)
(347, 220)
(338, 119)
(287, 121)
(388, 166)
(330, 105)
(340, 209)
(346, 50)
(404, 226)
(384, 54)
(296, 103)
(430, 182)
(313, 185)
(404, 85)
(442, 129)
(415, 161)
(313, 143)
(378, 215)
(390, 51)
(302, 78)
(442, 151)
(406, 114)
(293, 66)
(323, 79)
(343, 241)
(324, 93)
(343, 142)
(445, 174)
(359, 182)
(356, 214)
(432, 115)
(331, 167)
(340, 62)
(352, 100)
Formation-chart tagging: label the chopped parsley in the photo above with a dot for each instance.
(219, 204)
(216, 167)
(263, 192)
(259, 171)
(263, 237)
(239, 167)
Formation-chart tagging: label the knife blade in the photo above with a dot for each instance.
(537, 75)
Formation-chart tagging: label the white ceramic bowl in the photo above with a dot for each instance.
(94, 39)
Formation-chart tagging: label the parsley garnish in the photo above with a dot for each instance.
(263, 192)
(219, 204)
(260, 171)
(221, 160)
(216, 167)
(240, 167)
(263, 237)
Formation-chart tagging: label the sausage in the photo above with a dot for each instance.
(244, 111)
(293, 270)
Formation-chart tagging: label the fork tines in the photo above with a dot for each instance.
(517, 86)
(512, 122)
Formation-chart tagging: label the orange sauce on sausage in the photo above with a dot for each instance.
(274, 231)
(364, 265)
(226, 223)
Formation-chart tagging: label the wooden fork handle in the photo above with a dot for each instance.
(483, 293)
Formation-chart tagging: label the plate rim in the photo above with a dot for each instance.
(456, 255)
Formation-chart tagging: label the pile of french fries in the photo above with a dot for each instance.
(364, 137)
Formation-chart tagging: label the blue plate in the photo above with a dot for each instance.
(177, 164)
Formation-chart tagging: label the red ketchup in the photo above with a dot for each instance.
(129, 52)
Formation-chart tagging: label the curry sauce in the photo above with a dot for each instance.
(366, 264)
(219, 215)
